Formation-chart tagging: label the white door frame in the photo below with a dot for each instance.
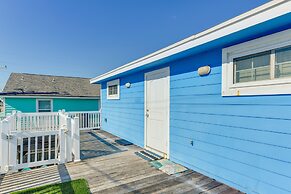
(167, 70)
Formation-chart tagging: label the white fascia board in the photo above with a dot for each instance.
(258, 15)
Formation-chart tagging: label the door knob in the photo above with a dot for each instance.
(147, 115)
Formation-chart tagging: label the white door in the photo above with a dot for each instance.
(157, 96)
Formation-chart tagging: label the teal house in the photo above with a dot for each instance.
(46, 93)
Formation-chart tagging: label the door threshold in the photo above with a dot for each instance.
(157, 152)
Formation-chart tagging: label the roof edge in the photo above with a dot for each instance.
(49, 75)
(47, 97)
(256, 15)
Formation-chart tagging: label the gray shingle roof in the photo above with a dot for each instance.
(24, 84)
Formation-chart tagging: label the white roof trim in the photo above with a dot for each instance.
(258, 15)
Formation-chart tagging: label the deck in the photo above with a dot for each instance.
(112, 168)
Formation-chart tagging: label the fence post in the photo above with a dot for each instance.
(76, 139)
(1, 149)
(68, 138)
(100, 119)
(12, 145)
(62, 143)
(4, 147)
(17, 120)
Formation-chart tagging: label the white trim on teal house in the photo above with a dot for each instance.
(240, 138)
(51, 108)
(3, 107)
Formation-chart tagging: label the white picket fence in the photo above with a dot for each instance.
(87, 120)
(35, 139)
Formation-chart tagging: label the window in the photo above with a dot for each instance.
(258, 67)
(113, 89)
(283, 62)
(252, 68)
(44, 106)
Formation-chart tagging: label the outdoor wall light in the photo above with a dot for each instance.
(204, 70)
(128, 85)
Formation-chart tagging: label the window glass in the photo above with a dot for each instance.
(283, 62)
(112, 90)
(261, 65)
(252, 68)
(44, 106)
(243, 71)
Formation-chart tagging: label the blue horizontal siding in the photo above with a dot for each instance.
(243, 141)
(124, 117)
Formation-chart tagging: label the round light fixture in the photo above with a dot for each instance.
(128, 85)
(205, 70)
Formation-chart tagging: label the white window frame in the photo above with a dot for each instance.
(262, 87)
(4, 106)
(112, 83)
(38, 100)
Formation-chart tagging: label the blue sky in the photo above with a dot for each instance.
(89, 37)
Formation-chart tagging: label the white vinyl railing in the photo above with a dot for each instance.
(87, 120)
(37, 121)
(35, 139)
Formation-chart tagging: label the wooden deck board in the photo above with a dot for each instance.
(137, 184)
(115, 170)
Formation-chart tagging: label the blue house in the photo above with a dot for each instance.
(217, 102)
